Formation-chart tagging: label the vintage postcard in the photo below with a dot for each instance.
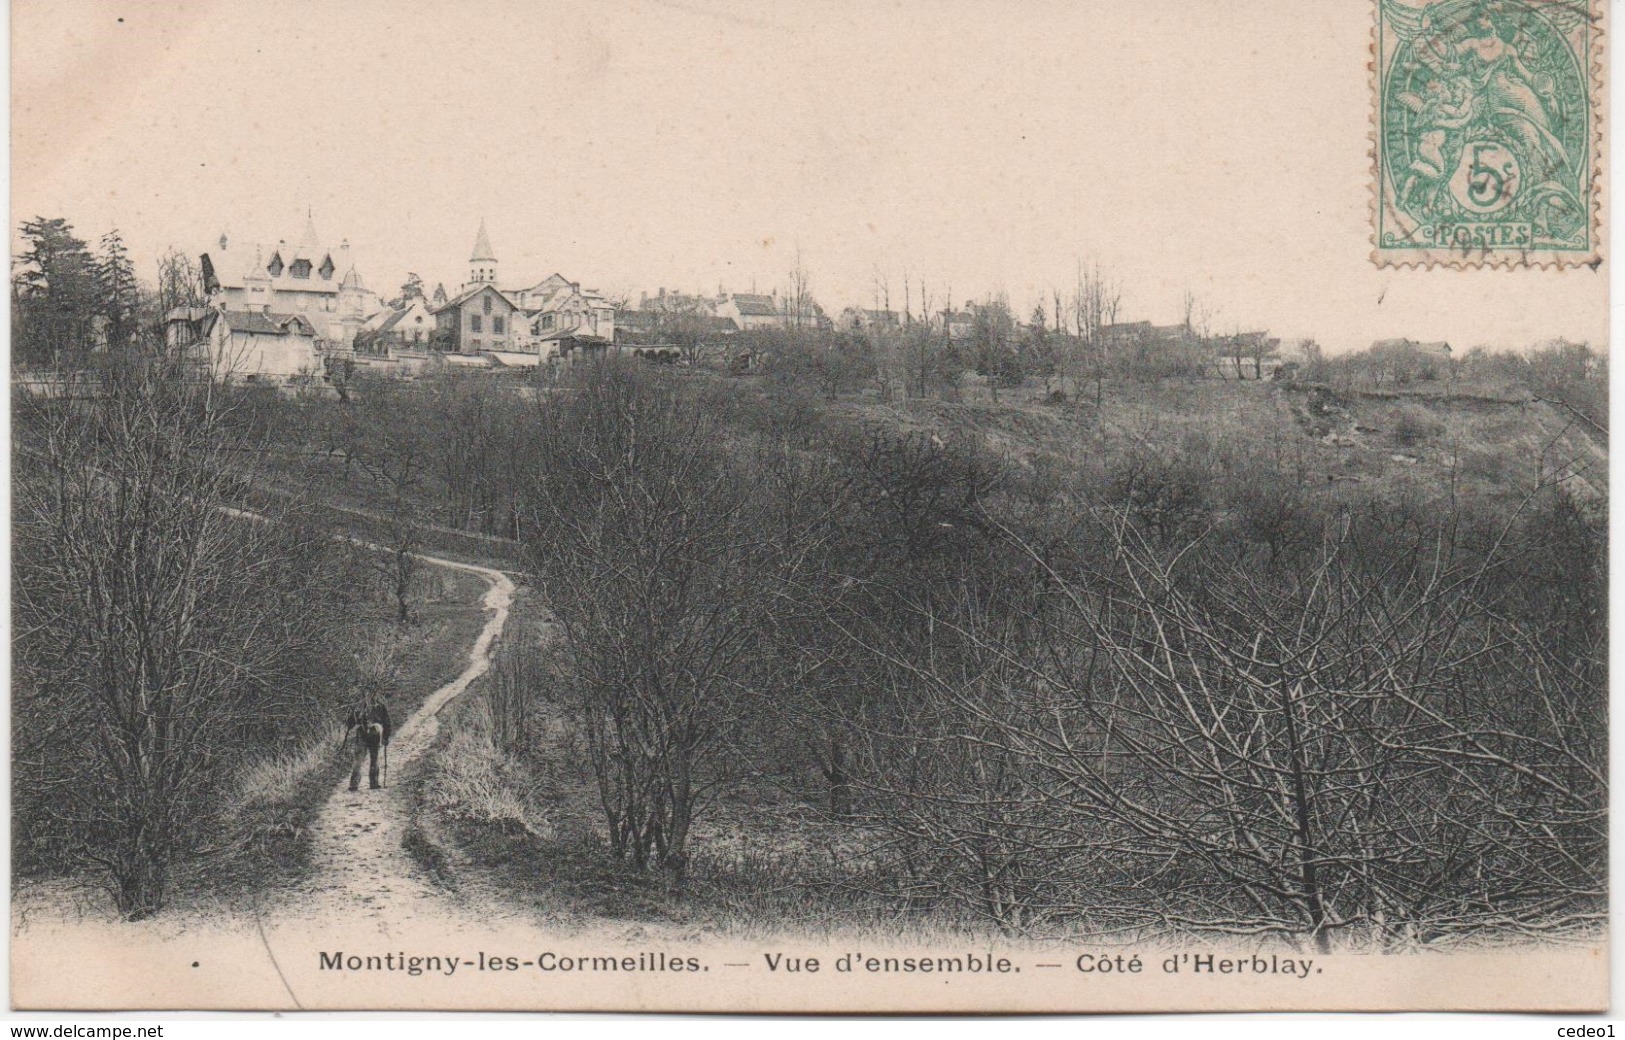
(815, 507)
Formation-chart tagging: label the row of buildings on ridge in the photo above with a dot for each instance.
(303, 314)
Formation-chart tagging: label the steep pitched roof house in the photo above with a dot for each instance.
(251, 346)
(306, 278)
(750, 310)
(551, 317)
(410, 325)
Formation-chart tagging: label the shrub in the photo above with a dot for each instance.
(1413, 425)
(1166, 494)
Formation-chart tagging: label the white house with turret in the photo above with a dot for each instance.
(319, 284)
(277, 313)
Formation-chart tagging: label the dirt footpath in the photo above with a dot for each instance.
(360, 867)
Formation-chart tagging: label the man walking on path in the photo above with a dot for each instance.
(370, 730)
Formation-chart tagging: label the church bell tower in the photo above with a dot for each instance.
(482, 266)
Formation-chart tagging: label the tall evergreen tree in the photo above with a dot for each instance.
(119, 293)
(54, 296)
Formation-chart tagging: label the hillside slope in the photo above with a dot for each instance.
(1388, 443)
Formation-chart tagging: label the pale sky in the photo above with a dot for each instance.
(1220, 147)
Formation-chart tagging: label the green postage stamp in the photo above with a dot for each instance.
(1487, 140)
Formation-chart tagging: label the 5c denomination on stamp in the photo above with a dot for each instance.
(1486, 132)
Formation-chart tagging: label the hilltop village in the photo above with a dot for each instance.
(302, 317)
(302, 314)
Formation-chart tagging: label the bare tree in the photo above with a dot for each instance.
(157, 629)
(391, 445)
(1039, 353)
(798, 302)
(180, 282)
(1197, 316)
(993, 345)
(647, 553)
(884, 335)
(684, 322)
(1376, 750)
(1095, 302)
